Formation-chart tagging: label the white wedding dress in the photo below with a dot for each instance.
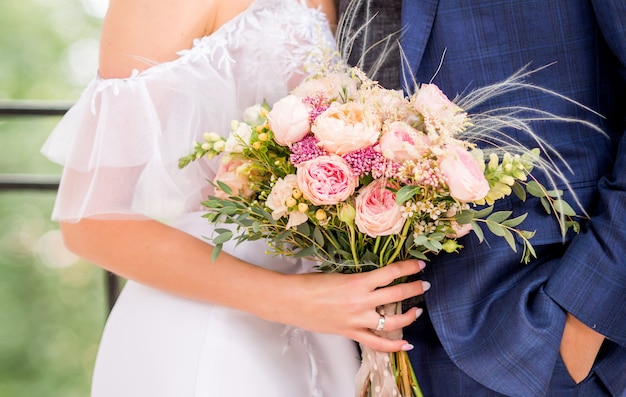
(120, 146)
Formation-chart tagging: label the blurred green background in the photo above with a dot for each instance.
(52, 305)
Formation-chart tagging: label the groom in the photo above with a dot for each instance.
(557, 326)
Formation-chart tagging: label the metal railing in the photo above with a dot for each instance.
(44, 182)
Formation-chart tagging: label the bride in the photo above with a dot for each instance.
(249, 324)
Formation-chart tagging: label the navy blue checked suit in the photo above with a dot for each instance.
(492, 325)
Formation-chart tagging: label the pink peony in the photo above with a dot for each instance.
(344, 128)
(289, 120)
(402, 142)
(463, 174)
(326, 180)
(277, 201)
(234, 173)
(377, 213)
(440, 114)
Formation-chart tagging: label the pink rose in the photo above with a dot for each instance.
(277, 201)
(463, 174)
(343, 128)
(234, 173)
(440, 114)
(289, 120)
(326, 180)
(377, 213)
(402, 142)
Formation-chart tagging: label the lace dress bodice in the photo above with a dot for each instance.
(121, 142)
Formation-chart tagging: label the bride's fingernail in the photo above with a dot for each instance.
(425, 285)
(419, 312)
(422, 264)
(407, 347)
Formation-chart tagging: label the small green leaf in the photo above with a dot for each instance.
(225, 188)
(478, 231)
(508, 236)
(546, 205)
(406, 193)
(305, 252)
(223, 237)
(515, 221)
(216, 251)
(464, 217)
(534, 188)
(483, 213)
(562, 207)
(304, 228)
(318, 236)
(436, 236)
(519, 191)
(554, 193)
(495, 228)
(499, 216)
(418, 255)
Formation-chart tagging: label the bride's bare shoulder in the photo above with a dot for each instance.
(139, 33)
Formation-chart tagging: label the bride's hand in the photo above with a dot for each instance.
(346, 304)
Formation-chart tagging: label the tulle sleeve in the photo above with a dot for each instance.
(121, 142)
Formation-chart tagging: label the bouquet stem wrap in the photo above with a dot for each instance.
(386, 374)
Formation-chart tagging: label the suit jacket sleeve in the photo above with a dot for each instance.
(590, 281)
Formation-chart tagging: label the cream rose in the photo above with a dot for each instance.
(463, 174)
(326, 180)
(239, 138)
(343, 128)
(277, 201)
(333, 86)
(440, 114)
(377, 213)
(402, 142)
(289, 120)
(234, 173)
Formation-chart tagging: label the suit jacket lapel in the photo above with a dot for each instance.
(417, 22)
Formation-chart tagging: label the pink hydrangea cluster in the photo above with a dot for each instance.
(319, 103)
(370, 161)
(305, 149)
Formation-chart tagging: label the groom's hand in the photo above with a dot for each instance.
(579, 348)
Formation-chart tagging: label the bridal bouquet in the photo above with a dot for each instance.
(356, 176)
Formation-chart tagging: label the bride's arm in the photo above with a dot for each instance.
(173, 261)
(168, 259)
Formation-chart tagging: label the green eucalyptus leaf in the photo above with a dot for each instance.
(500, 216)
(464, 217)
(216, 251)
(534, 188)
(562, 207)
(546, 205)
(483, 213)
(495, 228)
(508, 236)
(225, 188)
(478, 231)
(223, 237)
(519, 191)
(515, 221)
(406, 193)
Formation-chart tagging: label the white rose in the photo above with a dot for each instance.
(238, 138)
